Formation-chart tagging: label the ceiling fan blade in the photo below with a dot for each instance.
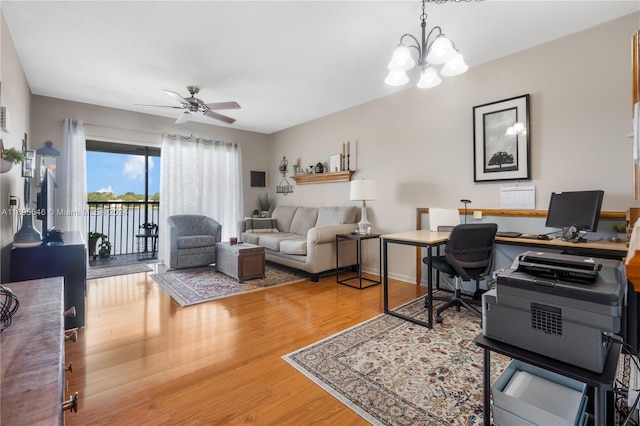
(223, 105)
(183, 118)
(220, 117)
(159, 106)
(177, 97)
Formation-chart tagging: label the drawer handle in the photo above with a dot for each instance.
(73, 336)
(71, 312)
(71, 404)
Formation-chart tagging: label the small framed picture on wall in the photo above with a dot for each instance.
(257, 179)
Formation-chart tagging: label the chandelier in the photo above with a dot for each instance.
(431, 52)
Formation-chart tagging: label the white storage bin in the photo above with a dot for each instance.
(537, 397)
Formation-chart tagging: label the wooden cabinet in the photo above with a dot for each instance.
(32, 356)
(68, 260)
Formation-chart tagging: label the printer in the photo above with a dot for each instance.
(560, 306)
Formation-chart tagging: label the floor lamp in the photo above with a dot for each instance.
(363, 190)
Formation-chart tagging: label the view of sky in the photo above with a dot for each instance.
(120, 173)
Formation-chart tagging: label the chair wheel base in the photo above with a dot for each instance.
(439, 319)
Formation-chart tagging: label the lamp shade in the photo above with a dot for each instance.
(429, 78)
(396, 78)
(363, 189)
(455, 66)
(401, 59)
(440, 51)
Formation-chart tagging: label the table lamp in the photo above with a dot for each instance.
(363, 190)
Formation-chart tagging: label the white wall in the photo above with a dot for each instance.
(418, 144)
(15, 95)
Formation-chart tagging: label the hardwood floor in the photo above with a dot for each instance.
(144, 360)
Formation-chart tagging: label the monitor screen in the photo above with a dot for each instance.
(578, 208)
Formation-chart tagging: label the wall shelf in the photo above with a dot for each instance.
(324, 177)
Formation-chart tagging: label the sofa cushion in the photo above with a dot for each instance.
(283, 216)
(250, 237)
(272, 241)
(195, 241)
(304, 219)
(294, 247)
(260, 225)
(336, 215)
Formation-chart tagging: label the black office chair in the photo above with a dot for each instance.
(468, 256)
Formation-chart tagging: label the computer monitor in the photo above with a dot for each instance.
(577, 208)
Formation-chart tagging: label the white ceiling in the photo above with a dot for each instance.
(284, 62)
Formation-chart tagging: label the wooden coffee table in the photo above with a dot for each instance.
(241, 261)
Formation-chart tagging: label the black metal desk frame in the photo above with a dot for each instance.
(429, 245)
(600, 382)
(358, 238)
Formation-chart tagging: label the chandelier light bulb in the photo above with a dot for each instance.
(454, 66)
(429, 78)
(440, 51)
(396, 78)
(401, 59)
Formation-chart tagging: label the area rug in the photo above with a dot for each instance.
(393, 372)
(110, 271)
(197, 285)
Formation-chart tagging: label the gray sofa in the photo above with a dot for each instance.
(304, 237)
(193, 240)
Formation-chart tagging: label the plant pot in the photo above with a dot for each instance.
(5, 166)
(93, 243)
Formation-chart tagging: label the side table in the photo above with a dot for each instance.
(358, 238)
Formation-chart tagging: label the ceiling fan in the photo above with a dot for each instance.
(193, 105)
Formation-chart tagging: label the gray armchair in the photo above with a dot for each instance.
(193, 240)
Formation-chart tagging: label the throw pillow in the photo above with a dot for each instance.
(260, 225)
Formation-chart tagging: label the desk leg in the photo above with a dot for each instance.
(486, 387)
(429, 298)
(385, 278)
(337, 259)
(600, 406)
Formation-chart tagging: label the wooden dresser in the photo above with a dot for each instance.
(32, 355)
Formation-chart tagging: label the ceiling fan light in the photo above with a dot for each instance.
(440, 51)
(396, 78)
(429, 78)
(455, 66)
(401, 60)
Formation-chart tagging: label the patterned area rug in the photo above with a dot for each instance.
(110, 271)
(393, 372)
(197, 285)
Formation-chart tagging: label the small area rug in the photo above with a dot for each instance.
(110, 271)
(393, 372)
(197, 285)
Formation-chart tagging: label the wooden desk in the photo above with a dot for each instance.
(420, 238)
(32, 355)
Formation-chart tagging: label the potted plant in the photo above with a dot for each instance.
(621, 230)
(10, 157)
(105, 245)
(265, 205)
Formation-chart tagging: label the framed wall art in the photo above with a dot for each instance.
(501, 132)
(257, 179)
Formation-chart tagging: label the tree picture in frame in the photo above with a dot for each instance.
(501, 140)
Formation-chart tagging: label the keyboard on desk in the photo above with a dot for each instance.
(508, 234)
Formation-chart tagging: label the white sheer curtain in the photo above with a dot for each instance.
(200, 177)
(71, 179)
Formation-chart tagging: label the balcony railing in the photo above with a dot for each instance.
(121, 221)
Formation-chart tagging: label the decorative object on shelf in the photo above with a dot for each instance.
(296, 166)
(285, 187)
(437, 51)
(27, 235)
(319, 168)
(363, 190)
(346, 156)
(265, 205)
(501, 140)
(8, 306)
(46, 158)
(335, 163)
